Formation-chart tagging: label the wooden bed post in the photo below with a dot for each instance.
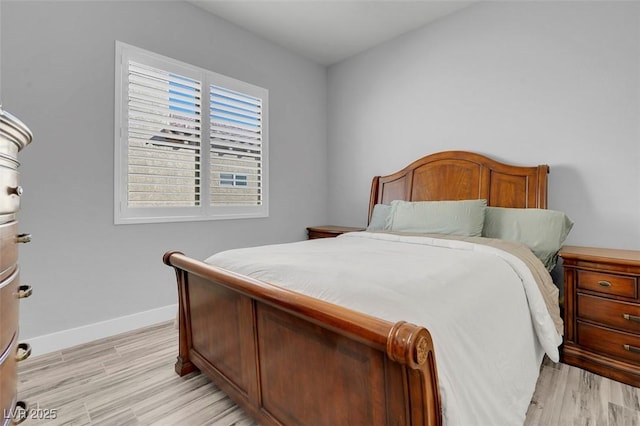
(183, 364)
(373, 197)
(411, 345)
(543, 171)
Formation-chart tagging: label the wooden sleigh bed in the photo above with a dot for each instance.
(292, 359)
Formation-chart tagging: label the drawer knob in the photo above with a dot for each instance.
(604, 283)
(24, 291)
(23, 352)
(24, 238)
(631, 317)
(15, 190)
(19, 414)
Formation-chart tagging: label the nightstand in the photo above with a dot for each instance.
(329, 231)
(602, 311)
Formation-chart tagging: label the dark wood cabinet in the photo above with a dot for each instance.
(602, 311)
(329, 231)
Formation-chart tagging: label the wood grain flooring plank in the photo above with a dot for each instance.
(540, 395)
(62, 383)
(176, 405)
(552, 411)
(173, 392)
(84, 352)
(40, 364)
(122, 417)
(157, 358)
(200, 411)
(630, 398)
(623, 395)
(570, 405)
(623, 416)
(593, 409)
(124, 389)
(72, 414)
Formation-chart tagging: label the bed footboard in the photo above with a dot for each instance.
(292, 359)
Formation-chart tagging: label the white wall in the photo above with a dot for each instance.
(58, 77)
(528, 83)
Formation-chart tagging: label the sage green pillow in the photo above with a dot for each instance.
(379, 217)
(543, 231)
(464, 217)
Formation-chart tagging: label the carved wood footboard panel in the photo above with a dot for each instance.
(291, 359)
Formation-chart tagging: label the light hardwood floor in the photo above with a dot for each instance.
(129, 380)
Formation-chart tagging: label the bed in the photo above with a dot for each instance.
(292, 358)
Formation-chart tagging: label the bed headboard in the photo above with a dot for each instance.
(461, 175)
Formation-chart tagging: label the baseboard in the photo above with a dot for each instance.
(76, 336)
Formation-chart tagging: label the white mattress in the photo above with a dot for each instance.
(489, 324)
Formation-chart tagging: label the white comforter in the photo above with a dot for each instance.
(488, 322)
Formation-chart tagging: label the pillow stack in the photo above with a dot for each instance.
(543, 231)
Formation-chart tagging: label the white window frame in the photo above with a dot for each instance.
(123, 214)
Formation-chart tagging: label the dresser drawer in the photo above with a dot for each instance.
(609, 342)
(9, 191)
(609, 284)
(8, 310)
(621, 315)
(9, 382)
(8, 248)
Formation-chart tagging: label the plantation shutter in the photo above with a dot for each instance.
(190, 144)
(236, 147)
(164, 138)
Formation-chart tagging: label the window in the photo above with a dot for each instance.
(190, 144)
(233, 179)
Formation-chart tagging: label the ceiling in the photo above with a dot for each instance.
(331, 30)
